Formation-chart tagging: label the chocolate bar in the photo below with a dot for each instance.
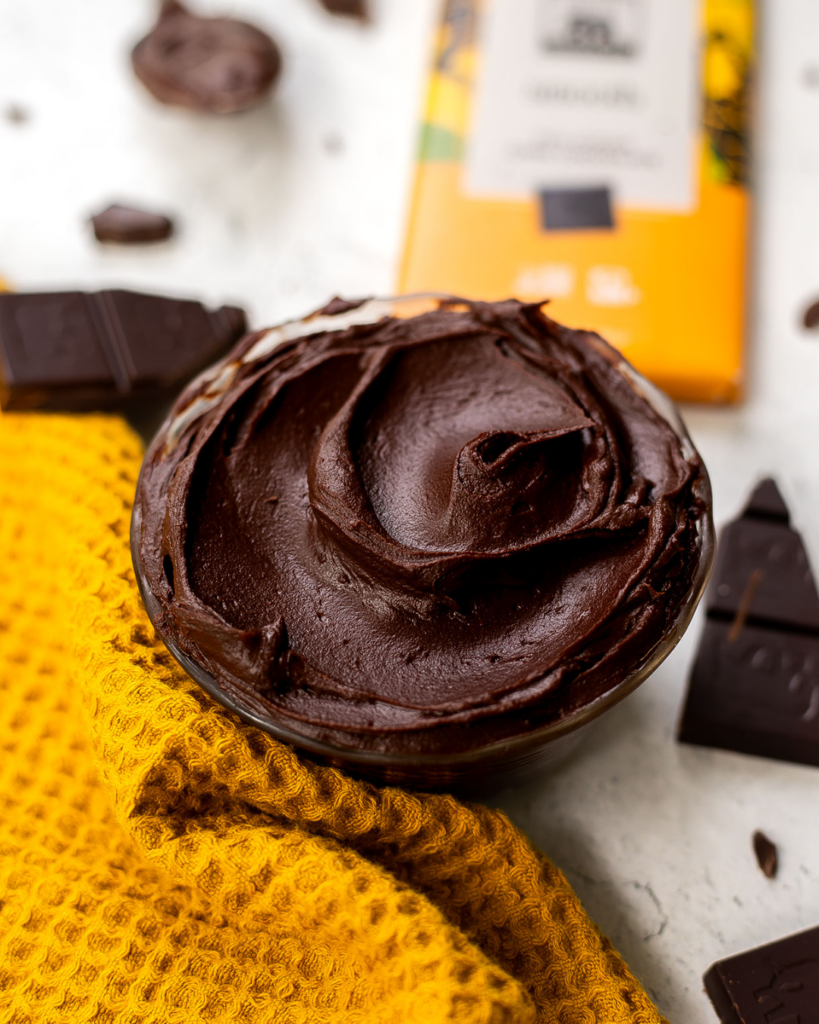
(773, 984)
(126, 225)
(754, 687)
(73, 350)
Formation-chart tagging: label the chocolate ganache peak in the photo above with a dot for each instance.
(375, 530)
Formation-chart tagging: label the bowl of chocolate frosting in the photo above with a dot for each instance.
(426, 539)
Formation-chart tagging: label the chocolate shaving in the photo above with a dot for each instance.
(766, 854)
(127, 225)
(336, 306)
(745, 603)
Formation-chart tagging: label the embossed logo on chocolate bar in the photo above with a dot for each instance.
(772, 676)
(793, 989)
(58, 329)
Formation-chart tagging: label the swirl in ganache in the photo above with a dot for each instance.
(381, 534)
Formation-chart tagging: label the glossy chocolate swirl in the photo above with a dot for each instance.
(382, 533)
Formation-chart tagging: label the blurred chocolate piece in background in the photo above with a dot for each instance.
(348, 8)
(16, 114)
(75, 351)
(810, 320)
(126, 225)
(216, 65)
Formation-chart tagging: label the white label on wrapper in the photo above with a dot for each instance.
(598, 94)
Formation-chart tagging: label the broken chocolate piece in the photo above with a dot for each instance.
(127, 225)
(767, 503)
(348, 8)
(754, 687)
(72, 350)
(773, 984)
(218, 65)
(762, 541)
(767, 856)
(756, 695)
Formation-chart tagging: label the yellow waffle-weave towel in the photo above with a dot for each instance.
(161, 862)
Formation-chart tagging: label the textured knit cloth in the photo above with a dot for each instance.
(162, 862)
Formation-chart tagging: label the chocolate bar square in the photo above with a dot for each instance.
(52, 342)
(757, 693)
(773, 984)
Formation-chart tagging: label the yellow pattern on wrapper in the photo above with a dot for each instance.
(162, 862)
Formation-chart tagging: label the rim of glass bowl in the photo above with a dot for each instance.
(215, 381)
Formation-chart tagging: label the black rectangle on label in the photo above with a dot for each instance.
(576, 209)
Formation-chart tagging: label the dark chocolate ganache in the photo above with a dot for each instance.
(423, 534)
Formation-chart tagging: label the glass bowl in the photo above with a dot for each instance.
(487, 767)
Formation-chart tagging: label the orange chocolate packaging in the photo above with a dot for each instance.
(594, 152)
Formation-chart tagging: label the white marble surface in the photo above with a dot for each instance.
(282, 207)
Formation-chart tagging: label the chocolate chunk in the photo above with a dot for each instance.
(349, 8)
(811, 317)
(758, 694)
(766, 854)
(773, 984)
(129, 226)
(761, 541)
(754, 687)
(71, 350)
(218, 65)
(767, 503)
